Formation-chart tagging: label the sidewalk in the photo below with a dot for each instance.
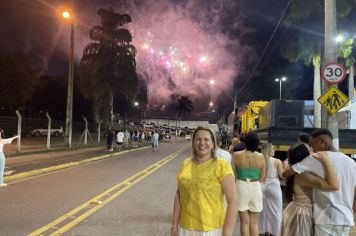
(36, 163)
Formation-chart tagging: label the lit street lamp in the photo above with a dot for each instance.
(280, 86)
(213, 83)
(69, 112)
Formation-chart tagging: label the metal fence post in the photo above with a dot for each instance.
(99, 125)
(49, 131)
(86, 131)
(19, 121)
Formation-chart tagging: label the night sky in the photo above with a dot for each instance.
(181, 44)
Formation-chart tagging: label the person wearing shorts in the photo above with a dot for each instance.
(248, 166)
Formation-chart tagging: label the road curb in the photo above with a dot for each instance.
(24, 175)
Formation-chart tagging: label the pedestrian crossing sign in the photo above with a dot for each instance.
(333, 100)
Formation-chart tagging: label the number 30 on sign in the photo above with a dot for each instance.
(333, 73)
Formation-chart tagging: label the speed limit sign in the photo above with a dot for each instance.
(333, 73)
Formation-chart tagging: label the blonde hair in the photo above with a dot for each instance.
(212, 136)
(266, 150)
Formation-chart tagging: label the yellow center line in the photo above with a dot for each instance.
(46, 170)
(98, 202)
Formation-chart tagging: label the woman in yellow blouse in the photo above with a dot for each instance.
(203, 180)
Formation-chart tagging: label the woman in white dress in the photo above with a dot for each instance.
(271, 215)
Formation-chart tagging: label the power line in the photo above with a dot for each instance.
(265, 49)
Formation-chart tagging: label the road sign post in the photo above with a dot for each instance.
(333, 100)
(333, 73)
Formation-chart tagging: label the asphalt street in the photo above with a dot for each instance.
(32, 203)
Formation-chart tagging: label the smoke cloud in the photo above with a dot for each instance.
(181, 45)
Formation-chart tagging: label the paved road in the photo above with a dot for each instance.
(28, 205)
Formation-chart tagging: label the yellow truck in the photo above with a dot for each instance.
(281, 121)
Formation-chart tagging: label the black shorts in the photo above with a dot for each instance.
(119, 143)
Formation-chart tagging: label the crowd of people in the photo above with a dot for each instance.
(213, 188)
(133, 138)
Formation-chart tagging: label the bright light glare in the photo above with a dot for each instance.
(136, 104)
(66, 14)
(146, 46)
(211, 104)
(212, 82)
(203, 59)
(282, 79)
(339, 38)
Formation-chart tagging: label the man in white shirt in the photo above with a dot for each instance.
(220, 153)
(333, 211)
(119, 139)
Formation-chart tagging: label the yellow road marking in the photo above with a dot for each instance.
(94, 204)
(23, 175)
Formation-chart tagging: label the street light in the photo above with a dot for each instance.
(280, 86)
(69, 112)
(214, 83)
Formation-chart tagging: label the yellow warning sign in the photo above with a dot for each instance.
(333, 100)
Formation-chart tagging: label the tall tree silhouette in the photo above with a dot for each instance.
(108, 66)
(184, 106)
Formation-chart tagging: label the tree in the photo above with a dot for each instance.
(345, 52)
(306, 44)
(108, 66)
(184, 106)
(17, 80)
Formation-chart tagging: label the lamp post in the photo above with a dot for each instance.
(69, 112)
(280, 86)
(213, 83)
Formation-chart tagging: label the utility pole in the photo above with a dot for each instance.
(330, 52)
(69, 112)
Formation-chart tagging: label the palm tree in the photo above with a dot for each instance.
(184, 105)
(308, 49)
(308, 16)
(345, 52)
(108, 66)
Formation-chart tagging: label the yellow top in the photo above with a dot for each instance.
(201, 195)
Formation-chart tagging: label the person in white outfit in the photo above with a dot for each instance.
(333, 211)
(221, 153)
(119, 140)
(271, 215)
(4, 141)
